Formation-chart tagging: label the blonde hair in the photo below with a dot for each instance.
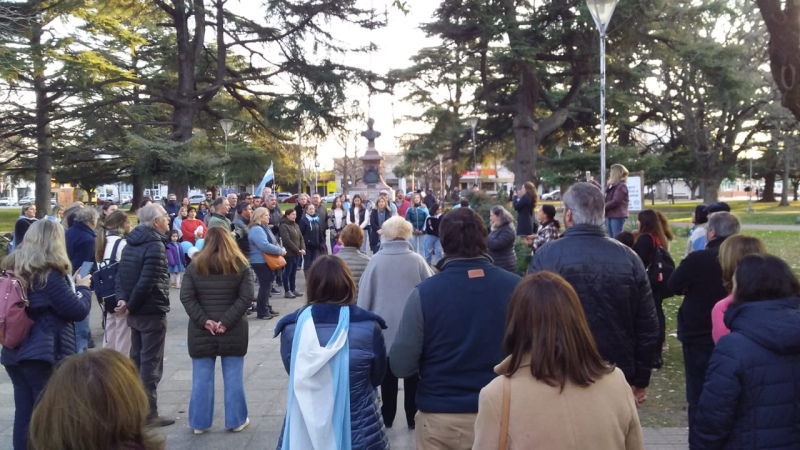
(93, 401)
(220, 255)
(618, 173)
(43, 249)
(397, 227)
(732, 250)
(255, 218)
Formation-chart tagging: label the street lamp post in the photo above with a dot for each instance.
(750, 191)
(316, 172)
(226, 125)
(441, 181)
(473, 122)
(602, 10)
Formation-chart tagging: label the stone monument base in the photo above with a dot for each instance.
(370, 192)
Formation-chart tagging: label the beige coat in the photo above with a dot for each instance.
(601, 416)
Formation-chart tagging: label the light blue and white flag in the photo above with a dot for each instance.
(269, 176)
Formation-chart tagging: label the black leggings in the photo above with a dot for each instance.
(264, 274)
(389, 388)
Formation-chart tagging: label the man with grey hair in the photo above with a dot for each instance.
(611, 283)
(142, 291)
(300, 207)
(233, 200)
(80, 249)
(699, 278)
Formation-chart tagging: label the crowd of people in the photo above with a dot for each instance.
(399, 289)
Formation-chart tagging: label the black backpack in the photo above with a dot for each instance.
(659, 270)
(103, 282)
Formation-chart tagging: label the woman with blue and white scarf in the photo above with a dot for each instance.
(313, 235)
(335, 356)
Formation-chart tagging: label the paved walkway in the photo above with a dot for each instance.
(266, 383)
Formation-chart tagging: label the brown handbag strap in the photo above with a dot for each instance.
(506, 408)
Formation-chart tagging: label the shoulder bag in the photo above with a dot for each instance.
(506, 408)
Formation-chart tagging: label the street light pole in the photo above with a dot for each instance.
(602, 10)
(473, 122)
(226, 125)
(750, 192)
(441, 181)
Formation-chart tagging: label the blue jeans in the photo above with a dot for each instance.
(28, 379)
(290, 272)
(82, 334)
(433, 249)
(417, 242)
(615, 225)
(201, 404)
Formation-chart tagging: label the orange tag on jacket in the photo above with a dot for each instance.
(476, 273)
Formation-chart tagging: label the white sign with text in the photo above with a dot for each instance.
(635, 199)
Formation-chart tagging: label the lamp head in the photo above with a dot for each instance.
(602, 10)
(473, 121)
(226, 125)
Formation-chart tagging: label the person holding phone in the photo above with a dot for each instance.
(80, 238)
(57, 300)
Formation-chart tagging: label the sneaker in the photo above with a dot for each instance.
(289, 294)
(297, 294)
(158, 422)
(196, 431)
(275, 290)
(242, 426)
(274, 313)
(267, 317)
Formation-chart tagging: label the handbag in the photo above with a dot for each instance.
(506, 408)
(274, 262)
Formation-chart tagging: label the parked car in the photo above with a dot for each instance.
(330, 197)
(6, 201)
(195, 199)
(125, 200)
(25, 201)
(282, 196)
(552, 195)
(292, 199)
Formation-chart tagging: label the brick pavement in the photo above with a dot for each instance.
(266, 383)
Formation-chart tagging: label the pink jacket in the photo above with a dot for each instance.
(718, 328)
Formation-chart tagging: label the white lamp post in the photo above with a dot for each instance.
(226, 125)
(473, 122)
(602, 10)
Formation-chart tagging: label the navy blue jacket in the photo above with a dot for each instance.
(612, 285)
(452, 333)
(367, 366)
(751, 397)
(80, 244)
(53, 308)
(142, 278)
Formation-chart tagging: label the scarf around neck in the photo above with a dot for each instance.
(310, 218)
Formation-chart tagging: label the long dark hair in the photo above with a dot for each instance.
(545, 320)
(649, 223)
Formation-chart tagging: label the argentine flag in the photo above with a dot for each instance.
(269, 176)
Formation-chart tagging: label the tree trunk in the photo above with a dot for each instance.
(768, 195)
(527, 145)
(786, 182)
(711, 189)
(784, 34)
(138, 191)
(44, 159)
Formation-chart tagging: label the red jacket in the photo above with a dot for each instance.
(617, 201)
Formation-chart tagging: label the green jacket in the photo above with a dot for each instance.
(291, 237)
(218, 220)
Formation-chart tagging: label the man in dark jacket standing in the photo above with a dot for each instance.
(452, 332)
(611, 282)
(173, 208)
(699, 278)
(80, 249)
(142, 290)
(322, 213)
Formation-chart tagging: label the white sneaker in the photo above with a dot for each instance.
(197, 431)
(242, 426)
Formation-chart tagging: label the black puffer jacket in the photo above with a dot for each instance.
(221, 298)
(501, 247)
(613, 288)
(142, 278)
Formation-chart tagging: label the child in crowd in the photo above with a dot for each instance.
(626, 237)
(338, 246)
(175, 260)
